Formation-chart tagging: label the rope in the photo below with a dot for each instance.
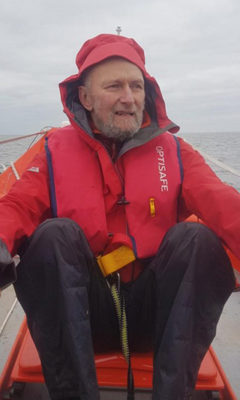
(8, 316)
(21, 137)
(121, 314)
(119, 303)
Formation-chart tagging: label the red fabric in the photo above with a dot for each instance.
(88, 189)
(203, 194)
(104, 46)
(26, 205)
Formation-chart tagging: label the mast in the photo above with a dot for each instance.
(118, 30)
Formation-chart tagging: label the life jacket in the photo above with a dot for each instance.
(135, 199)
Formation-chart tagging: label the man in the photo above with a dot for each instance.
(118, 180)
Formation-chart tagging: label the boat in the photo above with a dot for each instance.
(22, 376)
(14, 171)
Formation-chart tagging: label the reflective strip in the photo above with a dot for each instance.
(115, 260)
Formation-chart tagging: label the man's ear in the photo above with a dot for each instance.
(84, 97)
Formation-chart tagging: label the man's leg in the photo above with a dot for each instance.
(193, 279)
(56, 277)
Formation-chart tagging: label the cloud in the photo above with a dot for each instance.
(191, 48)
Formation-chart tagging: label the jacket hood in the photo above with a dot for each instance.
(98, 49)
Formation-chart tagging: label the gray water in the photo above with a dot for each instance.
(11, 151)
(223, 146)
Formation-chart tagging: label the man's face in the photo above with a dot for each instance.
(114, 94)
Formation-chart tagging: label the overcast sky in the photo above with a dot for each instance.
(192, 48)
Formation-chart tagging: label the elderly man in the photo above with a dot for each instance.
(115, 185)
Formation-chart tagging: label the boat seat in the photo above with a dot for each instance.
(111, 368)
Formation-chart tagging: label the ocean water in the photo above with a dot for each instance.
(222, 146)
(12, 150)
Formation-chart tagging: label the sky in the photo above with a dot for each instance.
(192, 48)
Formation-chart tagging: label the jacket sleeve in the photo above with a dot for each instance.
(206, 196)
(26, 205)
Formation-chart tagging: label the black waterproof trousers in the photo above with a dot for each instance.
(173, 307)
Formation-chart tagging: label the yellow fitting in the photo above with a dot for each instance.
(152, 207)
(115, 260)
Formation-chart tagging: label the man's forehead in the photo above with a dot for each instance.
(116, 66)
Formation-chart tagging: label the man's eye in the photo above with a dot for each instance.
(137, 86)
(113, 86)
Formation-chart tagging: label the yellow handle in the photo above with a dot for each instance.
(115, 260)
(152, 207)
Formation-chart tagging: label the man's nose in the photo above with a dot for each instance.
(127, 95)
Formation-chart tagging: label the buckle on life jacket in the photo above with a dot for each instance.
(115, 260)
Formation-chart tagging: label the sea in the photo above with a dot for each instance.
(223, 147)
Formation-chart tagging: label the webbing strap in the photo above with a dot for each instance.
(119, 303)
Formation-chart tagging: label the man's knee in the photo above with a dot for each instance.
(57, 246)
(186, 242)
(190, 234)
(57, 235)
(58, 231)
(208, 251)
(56, 226)
(192, 229)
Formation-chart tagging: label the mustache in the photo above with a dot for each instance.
(124, 112)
